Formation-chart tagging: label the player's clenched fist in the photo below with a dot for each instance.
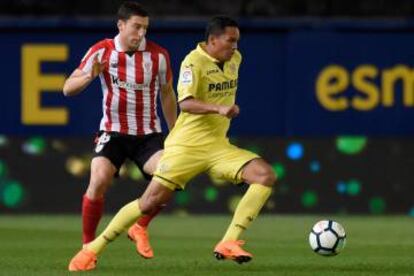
(229, 111)
(97, 67)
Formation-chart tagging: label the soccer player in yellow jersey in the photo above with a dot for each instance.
(198, 143)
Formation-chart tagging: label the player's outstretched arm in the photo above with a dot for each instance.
(169, 104)
(79, 80)
(195, 106)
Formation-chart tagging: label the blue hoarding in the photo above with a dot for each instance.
(354, 83)
(293, 81)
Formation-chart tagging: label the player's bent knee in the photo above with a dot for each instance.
(271, 179)
(98, 184)
(148, 202)
(147, 206)
(96, 190)
(101, 177)
(268, 178)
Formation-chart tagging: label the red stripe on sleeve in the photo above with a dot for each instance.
(91, 51)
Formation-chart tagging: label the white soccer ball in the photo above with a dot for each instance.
(327, 238)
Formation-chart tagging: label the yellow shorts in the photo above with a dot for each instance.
(179, 164)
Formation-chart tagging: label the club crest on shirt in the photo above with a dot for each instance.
(147, 66)
(232, 68)
(186, 76)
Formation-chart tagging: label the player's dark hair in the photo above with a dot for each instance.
(131, 8)
(217, 25)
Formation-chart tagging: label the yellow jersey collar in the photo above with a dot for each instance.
(204, 53)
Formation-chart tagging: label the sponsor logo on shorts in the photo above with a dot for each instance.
(103, 139)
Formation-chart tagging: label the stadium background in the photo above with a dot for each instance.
(326, 92)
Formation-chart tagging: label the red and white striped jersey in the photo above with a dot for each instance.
(130, 85)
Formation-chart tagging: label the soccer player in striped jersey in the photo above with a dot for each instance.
(198, 143)
(132, 71)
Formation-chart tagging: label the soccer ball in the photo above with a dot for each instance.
(327, 238)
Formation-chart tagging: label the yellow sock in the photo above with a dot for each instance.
(247, 210)
(125, 217)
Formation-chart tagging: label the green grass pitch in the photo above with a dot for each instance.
(43, 245)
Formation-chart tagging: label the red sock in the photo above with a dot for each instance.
(145, 220)
(91, 215)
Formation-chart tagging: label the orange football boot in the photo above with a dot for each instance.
(232, 250)
(139, 235)
(83, 261)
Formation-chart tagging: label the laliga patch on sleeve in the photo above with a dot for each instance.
(186, 76)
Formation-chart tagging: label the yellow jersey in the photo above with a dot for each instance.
(203, 79)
